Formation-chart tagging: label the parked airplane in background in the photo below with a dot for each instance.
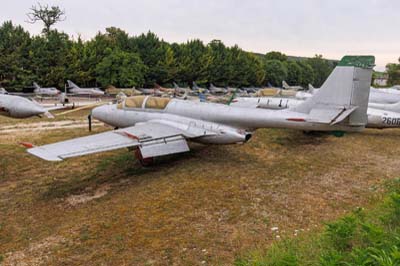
(181, 90)
(217, 90)
(169, 91)
(45, 91)
(113, 91)
(197, 89)
(288, 87)
(20, 107)
(162, 126)
(3, 91)
(76, 90)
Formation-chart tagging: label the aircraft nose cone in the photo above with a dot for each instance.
(101, 113)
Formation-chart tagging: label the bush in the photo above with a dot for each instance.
(340, 233)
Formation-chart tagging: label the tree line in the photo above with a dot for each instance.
(393, 71)
(114, 57)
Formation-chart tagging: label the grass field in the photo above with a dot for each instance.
(206, 207)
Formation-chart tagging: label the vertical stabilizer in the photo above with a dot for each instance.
(72, 85)
(36, 86)
(346, 89)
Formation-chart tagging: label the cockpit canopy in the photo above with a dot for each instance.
(144, 102)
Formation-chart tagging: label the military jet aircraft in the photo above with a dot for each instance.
(76, 90)
(111, 90)
(217, 90)
(45, 91)
(161, 126)
(3, 91)
(288, 87)
(198, 89)
(181, 90)
(379, 115)
(20, 107)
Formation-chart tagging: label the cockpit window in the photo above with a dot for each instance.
(149, 102)
(156, 103)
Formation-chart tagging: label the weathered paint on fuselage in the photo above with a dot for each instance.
(377, 118)
(46, 91)
(19, 107)
(210, 114)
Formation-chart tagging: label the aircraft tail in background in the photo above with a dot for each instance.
(36, 86)
(72, 85)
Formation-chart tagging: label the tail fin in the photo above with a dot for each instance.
(175, 85)
(310, 88)
(36, 86)
(195, 86)
(285, 85)
(344, 94)
(72, 85)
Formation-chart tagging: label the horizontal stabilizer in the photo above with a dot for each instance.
(329, 115)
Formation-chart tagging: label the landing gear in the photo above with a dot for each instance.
(144, 161)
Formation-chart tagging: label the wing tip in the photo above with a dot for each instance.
(42, 154)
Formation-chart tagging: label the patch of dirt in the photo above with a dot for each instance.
(23, 128)
(86, 197)
(34, 255)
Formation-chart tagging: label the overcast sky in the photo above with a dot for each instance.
(302, 27)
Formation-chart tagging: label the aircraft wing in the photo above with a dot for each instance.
(152, 138)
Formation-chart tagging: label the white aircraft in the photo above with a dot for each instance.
(76, 90)
(161, 126)
(379, 115)
(217, 90)
(3, 91)
(288, 87)
(45, 91)
(20, 107)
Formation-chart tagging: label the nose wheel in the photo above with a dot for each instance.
(143, 161)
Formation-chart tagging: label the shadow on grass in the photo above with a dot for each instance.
(122, 166)
(295, 138)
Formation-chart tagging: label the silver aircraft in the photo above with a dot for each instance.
(217, 90)
(3, 91)
(45, 91)
(379, 115)
(20, 107)
(76, 90)
(161, 126)
(288, 87)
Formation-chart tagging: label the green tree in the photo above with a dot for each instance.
(274, 55)
(121, 69)
(48, 58)
(307, 73)
(394, 73)
(275, 72)
(217, 63)
(14, 59)
(191, 61)
(294, 76)
(153, 52)
(322, 69)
